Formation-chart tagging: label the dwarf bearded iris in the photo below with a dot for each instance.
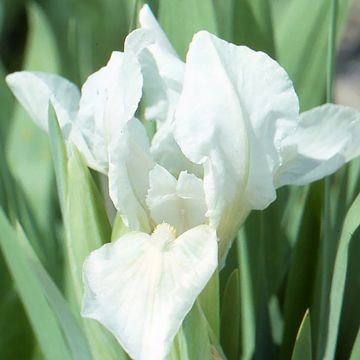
(228, 134)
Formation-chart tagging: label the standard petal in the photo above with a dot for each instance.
(34, 90)
(211, 130)
(169, 66)
(148, 21)
(326, 138)
(179, 202)
(235, 107)
(163, 74)
(129, 166)
(155, 99)
(109, 99)
(141, 287)
(166, 152)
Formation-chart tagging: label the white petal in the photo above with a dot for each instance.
(34, 90)
(129, 166)
(210, 128)
(141, 287)
(163, 73)
(162, 69)
(166, 152)
(180, 203)
(148, 21)
(235, 107)
(109, 99)
(327, 137)
(155, 99)
(160, 91)
(168, 65)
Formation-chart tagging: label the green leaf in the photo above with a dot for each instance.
(230, 317)
(302, 348)
(253, 25)
(350, 318)
(41, 316)
(16, 205)
(355, 353)
(353, 179)
(178, 350)
(119, 228)
(74, 335)
(254, 236)
(224, 10)
(199, 15)
(301, 46)
(7, 105)
(196, 331)
(351, 223)
(28, 152)
(302, 272)
(14, 325)
(282, 222)
(86, 221)
(28, 155)
(85, 43)
(87, 228)
(59, 155)
(209, 300)
(247, 305)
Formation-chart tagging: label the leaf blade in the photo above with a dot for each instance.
(42, 319)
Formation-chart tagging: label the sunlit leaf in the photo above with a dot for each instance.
(247, 304)
(301, 46)
(73, 334)
(351, 223)
(86, 220)
(210, 303)
(355, 353)
(87, 228)
(59, 155)
(42, 318)
(196, 332)
(199, 15)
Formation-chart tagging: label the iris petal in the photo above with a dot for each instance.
(142, 286)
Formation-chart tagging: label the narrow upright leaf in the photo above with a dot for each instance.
(248, 310)
(27, 149)
(230, 317)
(351, 223)
(73, 334)
(302, 348)
(209, 301)
(181, 19)
(306, 61)
(196, 332)
(86, 220)
(41, 316)
(253, 25)
(300, 279)
(87, 228)
(59, 155)
(355, 353)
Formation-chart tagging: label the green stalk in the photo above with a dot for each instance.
(325, 253)
(331, 52)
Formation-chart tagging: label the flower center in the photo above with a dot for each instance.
(163, 235)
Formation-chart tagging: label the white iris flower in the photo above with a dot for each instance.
(229, 133)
